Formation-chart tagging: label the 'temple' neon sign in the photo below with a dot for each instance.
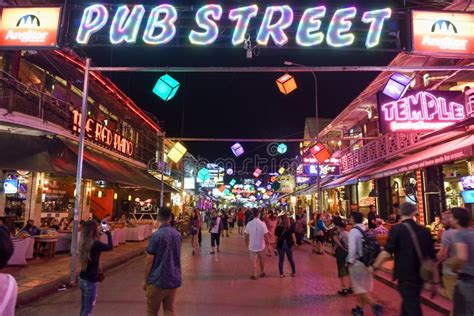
(160, 28)
(421, 111)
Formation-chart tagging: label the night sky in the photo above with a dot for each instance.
(235, 105)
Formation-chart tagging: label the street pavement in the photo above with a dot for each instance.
(220, 285)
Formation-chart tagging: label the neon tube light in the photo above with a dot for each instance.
(376, 19)
(125, 25)
(166, 24)
(114, 90)
(341, 24)
(162, 22)
(94, 19)
(307, 34)
(276, 30)
(243, 17)
(204, 21)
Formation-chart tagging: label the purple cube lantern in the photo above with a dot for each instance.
(237, 149)
(397, 86)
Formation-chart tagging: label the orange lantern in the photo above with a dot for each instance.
(286, 84)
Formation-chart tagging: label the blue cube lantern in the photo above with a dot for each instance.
(166, 87)
(237, 149)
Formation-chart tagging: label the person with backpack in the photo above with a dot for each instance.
(362, 250)
(415, 259)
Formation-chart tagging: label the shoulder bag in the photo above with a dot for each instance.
(427, 266)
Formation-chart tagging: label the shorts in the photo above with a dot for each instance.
(320, 238)
(361, 280)
(341, 256)
(240, 223)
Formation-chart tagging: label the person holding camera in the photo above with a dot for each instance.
(90, 249)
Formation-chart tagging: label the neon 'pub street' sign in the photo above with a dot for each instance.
(158, 25)
(421, 111)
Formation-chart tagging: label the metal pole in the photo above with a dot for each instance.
(318, 167)
(162, 170)
(80, 158)
(295, 68)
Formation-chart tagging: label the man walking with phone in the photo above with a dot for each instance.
(163, 266)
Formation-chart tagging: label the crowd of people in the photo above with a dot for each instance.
(273, 232)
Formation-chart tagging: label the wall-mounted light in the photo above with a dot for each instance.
(129, 197)
(115, 196)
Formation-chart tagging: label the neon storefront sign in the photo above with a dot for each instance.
(421, 111)
(155, 26)
(448, 34)
(100, 133)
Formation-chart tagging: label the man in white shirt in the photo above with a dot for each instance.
(361, 279)
(256, 235)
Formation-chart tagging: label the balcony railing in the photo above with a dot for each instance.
(16, 96)
(377, 150)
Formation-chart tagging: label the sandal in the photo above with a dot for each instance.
(342, 292)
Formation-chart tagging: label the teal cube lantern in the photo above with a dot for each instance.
(166, 87)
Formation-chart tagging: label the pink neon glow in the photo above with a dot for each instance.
(422, 111)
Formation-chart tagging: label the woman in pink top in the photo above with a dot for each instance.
(271, 221)
(8, 287)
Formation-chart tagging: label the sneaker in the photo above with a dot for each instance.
(357, 311)
(377, 309)
(253, 277)
(342, 292)
(282, 275)
(350, 291)
(262, 275)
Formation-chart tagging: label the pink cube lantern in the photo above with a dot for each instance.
(257, 173)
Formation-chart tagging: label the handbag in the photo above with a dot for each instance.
(427, 266)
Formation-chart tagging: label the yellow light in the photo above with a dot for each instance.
(167, 204)
(293, 200)
(129, 197)
(115, 196)
(177, 152)
(281, 170)
(286, 84)
(99, 194)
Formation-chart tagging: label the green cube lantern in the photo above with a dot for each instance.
(166, 87)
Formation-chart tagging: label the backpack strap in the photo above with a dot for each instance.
(360, 230)
(8, 295)
(415, 241)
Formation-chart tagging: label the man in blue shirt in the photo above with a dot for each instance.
(163, 266)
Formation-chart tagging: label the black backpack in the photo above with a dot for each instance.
(370, 247)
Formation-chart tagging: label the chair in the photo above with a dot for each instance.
(382, 240)
(19, 252)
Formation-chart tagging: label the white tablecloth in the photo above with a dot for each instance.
(121, 234)
(30, 251)
(64, 242)
(135, 233)
(20, 246)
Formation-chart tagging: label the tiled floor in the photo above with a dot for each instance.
(220, 285)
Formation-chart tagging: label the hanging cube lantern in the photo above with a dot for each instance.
(258, 183)
(232, 182)
(281, 170)
(230, 171)
(257, 173)
(237, 149)
(286, 84)
(397, 86)
(320, 152)
(166, 87)
(177, 152)
(203, 175)
(282, 149)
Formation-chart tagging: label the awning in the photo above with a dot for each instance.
(43, 154)
(114, 170)
(349, 179)
(460, 148)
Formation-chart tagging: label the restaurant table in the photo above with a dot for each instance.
(49, 242)
(121, 235)
(135, 233)
(64, 242)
